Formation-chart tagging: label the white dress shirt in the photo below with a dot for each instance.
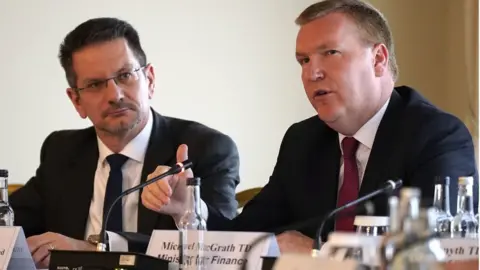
(365, 136)
(131, 171)
(135, 150)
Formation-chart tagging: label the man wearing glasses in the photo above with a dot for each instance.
(82, 171)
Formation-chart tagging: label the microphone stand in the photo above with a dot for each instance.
(179, 167)
(368, 207)
(99, 259)
(390, 186)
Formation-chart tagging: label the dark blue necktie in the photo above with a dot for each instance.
(113, 190)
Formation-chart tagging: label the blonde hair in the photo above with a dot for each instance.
(367, 18)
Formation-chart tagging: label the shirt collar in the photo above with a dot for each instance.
(366, 134)
(135, 149)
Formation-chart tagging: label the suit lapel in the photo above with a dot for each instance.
(161, 151)
(80, 179)
(323, 170)
(377, 169)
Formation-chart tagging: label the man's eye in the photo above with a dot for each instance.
(331, 52)
(94, 85)
(125, 76)
(303, 60)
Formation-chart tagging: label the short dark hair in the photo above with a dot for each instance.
(96, 31)
(369, 20)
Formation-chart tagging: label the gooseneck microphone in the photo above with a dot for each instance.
(367, 208)
(178, 168)
(388, 188)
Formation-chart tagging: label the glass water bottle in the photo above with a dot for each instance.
(192, 227)
(6, 211)
(464, 223)
(441, 206)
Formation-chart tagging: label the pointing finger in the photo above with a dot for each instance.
(182, 155)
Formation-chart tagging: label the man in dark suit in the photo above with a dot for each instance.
(82, 171)
(366, 132)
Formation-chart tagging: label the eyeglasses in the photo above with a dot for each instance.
(124, 80)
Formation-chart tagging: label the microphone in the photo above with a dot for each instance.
(388, 188)
(368, 208)
(178, 168)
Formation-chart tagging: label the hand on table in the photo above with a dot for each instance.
(294, 242)
(168, 196)
(40, 246)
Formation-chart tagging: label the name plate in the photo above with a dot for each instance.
(306, 262)
(217, 250)
(14, 252)
(365, 249)
(343, 246)
(459, 249)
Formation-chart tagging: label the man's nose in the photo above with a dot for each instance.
(316, 70)
(114, 92)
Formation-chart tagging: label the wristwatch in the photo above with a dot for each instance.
(94, 239)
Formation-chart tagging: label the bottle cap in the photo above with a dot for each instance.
(371, 221)
(465, 180)
(195, 181)
(410, 192)
(352, 240)
(3, 173)
(442, 180)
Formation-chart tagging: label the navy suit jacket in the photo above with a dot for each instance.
(415, 142)
(58, 197)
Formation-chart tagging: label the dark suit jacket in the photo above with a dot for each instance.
(57, 198)
(415, 142)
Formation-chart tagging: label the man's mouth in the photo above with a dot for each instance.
(117, 111)
(320, 93)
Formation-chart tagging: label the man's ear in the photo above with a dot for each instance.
(150, 74)
(74, 97)
(380, 59)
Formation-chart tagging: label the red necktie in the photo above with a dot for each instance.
(349, 190)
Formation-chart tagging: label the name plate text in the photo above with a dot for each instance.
(459, 249)
(215, 250)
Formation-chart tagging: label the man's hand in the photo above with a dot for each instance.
(40, 246)
(294, 242)
(168, 196)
